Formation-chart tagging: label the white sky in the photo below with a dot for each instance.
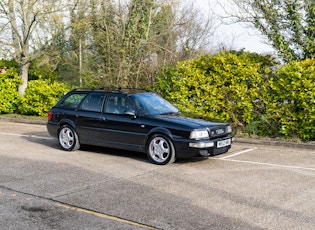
(236, 35)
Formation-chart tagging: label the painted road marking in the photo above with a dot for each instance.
(31, 197)
(266, 164)
(259, 163)
(25, 135)
(105, 216)
(238, 153)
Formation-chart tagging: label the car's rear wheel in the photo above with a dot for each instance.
(160, 150)
(68, 138)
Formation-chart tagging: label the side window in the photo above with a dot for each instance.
(72, 101)
(93, 102)
(117, 104)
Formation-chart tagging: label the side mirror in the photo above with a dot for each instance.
(131, 113)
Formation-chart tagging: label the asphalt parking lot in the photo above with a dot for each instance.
(251, 187)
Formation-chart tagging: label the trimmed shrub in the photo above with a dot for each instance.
(293, 99)
(227, 87)
(9, 96)
(40, 96)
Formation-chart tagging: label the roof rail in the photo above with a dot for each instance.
(118, 90)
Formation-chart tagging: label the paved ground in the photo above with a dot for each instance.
(252, 187)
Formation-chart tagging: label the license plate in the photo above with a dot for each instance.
(223, 143)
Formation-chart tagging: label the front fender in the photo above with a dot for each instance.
(157, 130)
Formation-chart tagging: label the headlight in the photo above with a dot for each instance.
(229, 129)
(199, 134)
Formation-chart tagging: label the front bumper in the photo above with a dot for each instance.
(194, 148)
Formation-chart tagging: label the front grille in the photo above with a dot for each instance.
(218, 132)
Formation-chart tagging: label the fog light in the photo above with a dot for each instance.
(201, 145)
(204, 153)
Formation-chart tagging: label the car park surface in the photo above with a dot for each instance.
(251, 187)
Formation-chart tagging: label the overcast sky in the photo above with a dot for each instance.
(238, 35)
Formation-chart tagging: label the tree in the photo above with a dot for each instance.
(104, 42)
(289, 25)
(128, 40)
(194, 30)
(72, 46)
(27, 28)
(133, 40)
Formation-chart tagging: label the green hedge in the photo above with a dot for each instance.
(42, 93)
(9, 96)
(292, 99)
(40, 96)
(243, 89)
(225, 86)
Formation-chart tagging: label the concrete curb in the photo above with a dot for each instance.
(275, 143)
(236, 139)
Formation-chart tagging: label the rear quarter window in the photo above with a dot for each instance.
(93, 102)
(72, 101)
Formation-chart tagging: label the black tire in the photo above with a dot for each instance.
(68, 138)
(160, 150)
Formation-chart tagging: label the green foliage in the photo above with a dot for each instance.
(262, 125)
(293, 99)
(40, 71)
(40, 96)
(225, 86)
(9, 64)
(9, 96)
(163, 84)
(125, 41)
(288, 25)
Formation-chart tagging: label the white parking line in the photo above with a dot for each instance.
(25, 135)
(267, 164)
(226, 158)
(238, 153)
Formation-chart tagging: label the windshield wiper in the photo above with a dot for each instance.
(170, 113)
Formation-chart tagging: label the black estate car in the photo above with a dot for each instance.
(137, 121)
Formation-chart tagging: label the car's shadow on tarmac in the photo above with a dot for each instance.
(190, 160)
(43, 138)
(115, 152)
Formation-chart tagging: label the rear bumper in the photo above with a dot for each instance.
(194, 148)
(52, 129)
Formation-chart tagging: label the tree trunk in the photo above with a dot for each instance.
(24, 66)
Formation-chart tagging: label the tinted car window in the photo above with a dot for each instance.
(72, 101)
(152, 104)
(117, 104)
(93, 102)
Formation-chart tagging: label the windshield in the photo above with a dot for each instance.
(152, 104)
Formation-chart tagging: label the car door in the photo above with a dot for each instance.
(89, 118)
(120, 127)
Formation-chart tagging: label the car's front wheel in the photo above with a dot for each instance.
(68, 138)
(160, 150)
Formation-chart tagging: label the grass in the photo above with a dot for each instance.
(23, 117)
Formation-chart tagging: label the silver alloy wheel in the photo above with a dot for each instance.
(67, 138)
(159, 150)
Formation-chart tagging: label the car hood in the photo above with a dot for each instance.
(187, 121)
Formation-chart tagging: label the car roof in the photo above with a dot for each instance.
(126, 91)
